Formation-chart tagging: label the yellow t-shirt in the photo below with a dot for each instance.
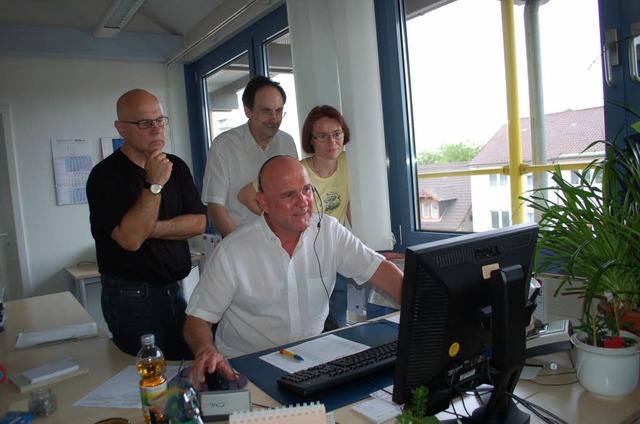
(334, 190)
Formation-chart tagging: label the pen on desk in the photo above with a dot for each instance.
(285, 352)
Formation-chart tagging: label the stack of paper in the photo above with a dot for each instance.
(49, 371)
(57, 334)
(47, 374)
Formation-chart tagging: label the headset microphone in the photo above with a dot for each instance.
(319, 208)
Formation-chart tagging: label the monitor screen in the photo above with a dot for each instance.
(463, 315)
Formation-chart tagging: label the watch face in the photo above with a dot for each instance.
(155, 188)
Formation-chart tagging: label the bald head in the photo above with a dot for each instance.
(130, 102)
(285, 196)
(277, 167)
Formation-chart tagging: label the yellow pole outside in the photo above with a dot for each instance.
(513, 111)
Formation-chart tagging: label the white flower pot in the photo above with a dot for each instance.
(607, 372)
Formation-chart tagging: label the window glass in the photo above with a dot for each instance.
(459, 105)
(280, 68)
(223, 99)
(495, 219)
(505, 218)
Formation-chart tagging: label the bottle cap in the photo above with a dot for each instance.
(148, 339)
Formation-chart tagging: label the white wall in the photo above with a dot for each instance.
(58, 98)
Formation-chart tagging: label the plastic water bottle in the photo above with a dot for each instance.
(150, 363)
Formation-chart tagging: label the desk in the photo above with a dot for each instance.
(104, 360)
(555, 391)
(86, 273)
(98, 354)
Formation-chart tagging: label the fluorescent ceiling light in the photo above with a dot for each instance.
(117, 17)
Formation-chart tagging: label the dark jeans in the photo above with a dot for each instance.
(133, 308)
(338, 302)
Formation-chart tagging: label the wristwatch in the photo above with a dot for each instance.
(154, 188)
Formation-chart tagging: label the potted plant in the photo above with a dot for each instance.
(414, 413)
(592, 233)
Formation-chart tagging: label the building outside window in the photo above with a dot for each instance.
(458, 101)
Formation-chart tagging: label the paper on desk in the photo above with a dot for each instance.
(314, 352)
(377, 411)
(57, 334)
(121, 390)
(381, 408)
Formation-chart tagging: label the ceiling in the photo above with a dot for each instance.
(172, 17)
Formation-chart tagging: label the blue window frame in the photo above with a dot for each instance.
(249, 41)
(402, 170)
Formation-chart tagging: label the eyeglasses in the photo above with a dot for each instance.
(324, 137)
(269, 113)
(144, 124)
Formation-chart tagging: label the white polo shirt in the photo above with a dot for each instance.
(234, 161)
(262, 298)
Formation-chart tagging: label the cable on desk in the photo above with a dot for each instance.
(555, 374)
(458, 391)
(554, 384)
(379, 387)
(544, 414)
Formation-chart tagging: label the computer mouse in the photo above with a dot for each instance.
(216, 381)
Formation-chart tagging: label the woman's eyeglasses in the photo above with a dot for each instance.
(324, 137)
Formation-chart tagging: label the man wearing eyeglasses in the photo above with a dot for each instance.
(236, 155)
(144, 206)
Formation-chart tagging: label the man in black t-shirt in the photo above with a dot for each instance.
(144, 206)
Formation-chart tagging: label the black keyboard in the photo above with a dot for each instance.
(341, 370)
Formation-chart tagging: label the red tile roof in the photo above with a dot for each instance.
(455, 191)
(568, 134)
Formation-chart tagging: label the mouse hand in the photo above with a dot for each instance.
(225, 369)
(206, 362)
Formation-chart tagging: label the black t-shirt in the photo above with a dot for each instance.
(113, 187)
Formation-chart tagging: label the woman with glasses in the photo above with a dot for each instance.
(324, 134)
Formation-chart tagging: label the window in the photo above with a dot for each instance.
(498, 180)
(499, 219)
(452, 70)
(223, 100)
(280, 68)
(224, 88)
(215, 82)
(430, 209)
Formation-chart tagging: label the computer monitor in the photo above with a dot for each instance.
(464, 317)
